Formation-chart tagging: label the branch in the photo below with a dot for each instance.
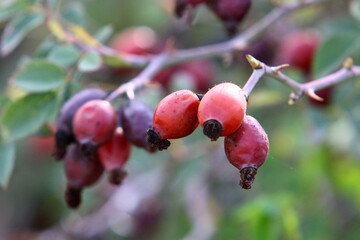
(260, 70)
(239, 42)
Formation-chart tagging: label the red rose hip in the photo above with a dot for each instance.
(247, 149)
(64, 135)
(113, 155)
(221, 110)
(94, 124)
(174, 117)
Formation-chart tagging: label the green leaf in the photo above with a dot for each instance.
(74, 12)
(9, 10)
(16, 30)
(64, 55)
(91, 61)
(45, 47)
(3, 100)
(104, 33)
(26, 115)
(40, 76)
(7, 160)
(115, 61)
(333, 51)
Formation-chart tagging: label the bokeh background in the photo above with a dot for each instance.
(308, 188)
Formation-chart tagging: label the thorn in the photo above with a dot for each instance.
(311, 93)
(278, 69)
(348, 63)
(130, 93)
(255, 64)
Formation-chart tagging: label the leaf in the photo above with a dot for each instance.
(56, 29)
(74, 12)
(40, 76)
(83, 35)
(7, 160)
(16, 30)
(3, 100)
(45, 48)
(91, 61)
(104, 33)
(26, 115)
(115, 61)
(11, 9)
(64, 55)
(333, 51)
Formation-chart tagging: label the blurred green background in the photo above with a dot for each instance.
(307, 189)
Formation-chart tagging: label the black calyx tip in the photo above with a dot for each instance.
(247, 177)
(116, 176)
(155, 140)
(200, 96)
(73, 197)
(62, 140)
(213, 129)
(88, 148)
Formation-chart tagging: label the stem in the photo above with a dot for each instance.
(143, 78)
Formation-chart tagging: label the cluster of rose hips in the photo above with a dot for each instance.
(92, 137)
(230, 12)
(221, 112)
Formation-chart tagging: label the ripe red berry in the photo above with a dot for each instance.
(138, 40)
(113, 155)
(222, 110)
(80, 172)
(94, 124)
(64, 130)
(230, 12)
(136, 118)
(247, 149)
(298, 49)
(174, 117)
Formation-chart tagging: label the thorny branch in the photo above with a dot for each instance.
(260, 69)
(170, 56)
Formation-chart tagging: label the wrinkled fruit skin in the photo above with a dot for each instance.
(174, 117)
(113, 155)
(80, 172)
(221, 110)
(94, 124)
(136, 118)
(64, 133)
(230, 12)
(247, 149)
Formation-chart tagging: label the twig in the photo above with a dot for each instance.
(260, 69)
(237, 43)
